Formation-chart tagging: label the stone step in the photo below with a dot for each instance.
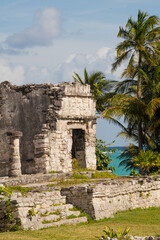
(47, 194)
(65, 221)
(52, 208)
(53, 201)
(51, 217)
(62, 210)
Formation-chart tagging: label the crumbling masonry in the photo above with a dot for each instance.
(43, 127)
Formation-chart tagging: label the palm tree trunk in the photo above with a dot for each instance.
(140, 142)
(139, 93)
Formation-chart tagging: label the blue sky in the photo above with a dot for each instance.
(49, 40)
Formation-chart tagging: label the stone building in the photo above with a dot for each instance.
(43, 127)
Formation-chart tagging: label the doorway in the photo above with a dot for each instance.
(78, 147)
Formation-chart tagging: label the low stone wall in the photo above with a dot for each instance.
(103, 200)
(37, 178)
(45, 206)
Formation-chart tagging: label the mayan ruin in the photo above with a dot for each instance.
(43, 127)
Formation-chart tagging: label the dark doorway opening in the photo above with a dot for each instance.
(78, 146)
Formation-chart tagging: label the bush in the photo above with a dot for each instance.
(148, 161)
(103, 156)
(120, 234)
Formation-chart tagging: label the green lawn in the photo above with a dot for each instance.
(141, 222)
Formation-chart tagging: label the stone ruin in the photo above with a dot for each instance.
(43, 127)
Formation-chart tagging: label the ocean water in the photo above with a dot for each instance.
(120, 171)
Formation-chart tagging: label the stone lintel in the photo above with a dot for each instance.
(84, 119)
(76, 95)
(15, 134)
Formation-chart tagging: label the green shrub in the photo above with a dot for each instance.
(134, 173)
(103, 156)
(120, 234)
(148, 161)
(31, 212)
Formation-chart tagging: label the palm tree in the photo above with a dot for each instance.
(134, 111)
(98, 84)
(141, 41)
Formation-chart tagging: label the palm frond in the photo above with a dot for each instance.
(77, 78)
(152, 107)
(120, 59)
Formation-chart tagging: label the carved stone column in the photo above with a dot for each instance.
(42, 150)
(14, 161)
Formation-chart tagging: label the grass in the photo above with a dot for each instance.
(142, 222)
(69, 182)
(78, 176)
(104, 175)
(53, 172)
(71, 216)
(76, 167)
(9, 190)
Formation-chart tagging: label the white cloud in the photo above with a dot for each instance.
(100, 61)
(42, 33)
(20, 75)
(14, 75)
(37, 75)
(30, 72)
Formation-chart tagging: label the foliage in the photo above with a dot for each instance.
(126, 156)
(134, 173)
(98, 84)
(7, 191)
(111, 233)
(140, 46)
(7, 219)
(148, 161)
(103, 156)
(31, 212)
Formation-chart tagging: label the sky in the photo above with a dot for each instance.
(48, 40)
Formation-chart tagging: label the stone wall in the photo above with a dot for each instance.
(46, 205)
(36, 210)
(103, 200)
(47, 115)
(22, 109)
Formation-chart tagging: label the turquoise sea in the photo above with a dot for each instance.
(115, 162)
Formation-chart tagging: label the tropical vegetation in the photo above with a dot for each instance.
(100, 86)
(136, 98)
(103, 155)
(140, 46)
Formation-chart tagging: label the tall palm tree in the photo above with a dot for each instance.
(141, 41)
(98, 84)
